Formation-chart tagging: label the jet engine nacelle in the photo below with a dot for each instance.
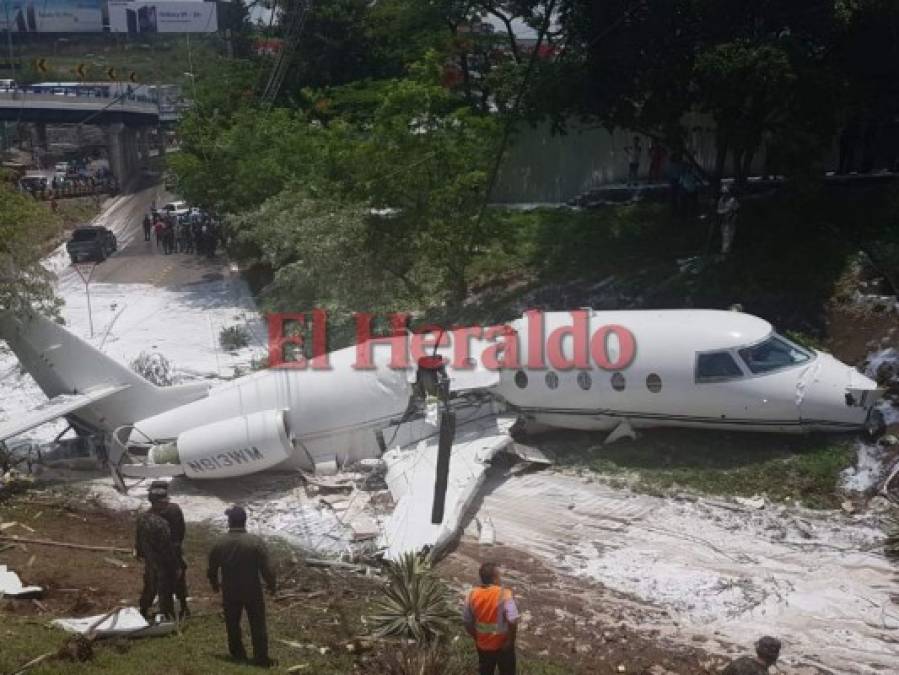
(233, 447)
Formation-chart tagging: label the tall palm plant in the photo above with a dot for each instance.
(414, 603)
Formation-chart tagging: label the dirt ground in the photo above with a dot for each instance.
(559, 634)
(580, 624)
(854, 332)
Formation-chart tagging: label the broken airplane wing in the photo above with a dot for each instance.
(54, 408)
(411, 469)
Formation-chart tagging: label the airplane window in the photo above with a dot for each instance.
(552, 380)
(584, 381)
(716, 366)
(521, 379)
(618, 382)
(654, 383)
(773, 354)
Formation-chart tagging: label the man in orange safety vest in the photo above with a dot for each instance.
(491, 618)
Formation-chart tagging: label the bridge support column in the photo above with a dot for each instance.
(39, 142)
(121, 144)
(160, 141)
(143, 144)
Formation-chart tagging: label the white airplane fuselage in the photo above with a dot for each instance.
(687, 368)
(662, 385)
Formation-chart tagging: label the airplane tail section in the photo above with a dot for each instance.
(59, 361)
(63, 364)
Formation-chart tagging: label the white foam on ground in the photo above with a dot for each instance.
(728, 572)
(182, 325)
(277, 505)
(868, 471)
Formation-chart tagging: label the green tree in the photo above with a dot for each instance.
(746, 88)
(317, 250)
(25, 227)
(427, 159)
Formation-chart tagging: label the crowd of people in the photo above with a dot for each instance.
(195, 232)
(239, 565)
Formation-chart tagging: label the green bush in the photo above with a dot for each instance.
(233, 338)
(415, 604)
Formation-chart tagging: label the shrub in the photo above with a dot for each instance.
(415, 604)
(233, 338)
(155, 368)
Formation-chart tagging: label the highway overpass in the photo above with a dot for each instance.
(126, 121)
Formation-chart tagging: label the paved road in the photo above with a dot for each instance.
(138, 261)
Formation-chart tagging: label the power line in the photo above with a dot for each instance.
(298, 16)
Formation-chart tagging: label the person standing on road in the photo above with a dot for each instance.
(196, 231)
(153, 545)
(168, 239)
(159, 231)
(148, 226)
(491, 618)
(242, 559)
(767, 651)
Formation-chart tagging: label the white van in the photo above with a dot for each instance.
(178, 208)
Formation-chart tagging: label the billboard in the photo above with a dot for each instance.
(52, 16)
(166, 16)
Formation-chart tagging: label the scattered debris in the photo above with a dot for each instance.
(120, 622)
(11, 586)
(64, 544)
(115, 562)
(754, 502)
(13, 482)
(339, 564)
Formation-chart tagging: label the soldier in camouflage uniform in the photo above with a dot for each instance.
(767, 651)
(171, 512)
(162, 565)
(242, 559)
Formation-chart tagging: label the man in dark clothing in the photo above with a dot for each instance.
(242, 559)
(767, 650)
(148, 225)
(196, 230)
(153, 545)
(175, 518)
(168, 241)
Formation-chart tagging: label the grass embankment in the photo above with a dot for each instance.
(321, 610)
(782, 467)
(784, 266)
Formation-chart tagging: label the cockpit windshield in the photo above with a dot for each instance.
(773, 354)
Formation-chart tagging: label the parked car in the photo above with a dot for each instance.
(91, 242)
(178, 205)
(33, 183)
(178, 208)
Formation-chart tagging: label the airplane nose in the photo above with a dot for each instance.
(832, 396)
